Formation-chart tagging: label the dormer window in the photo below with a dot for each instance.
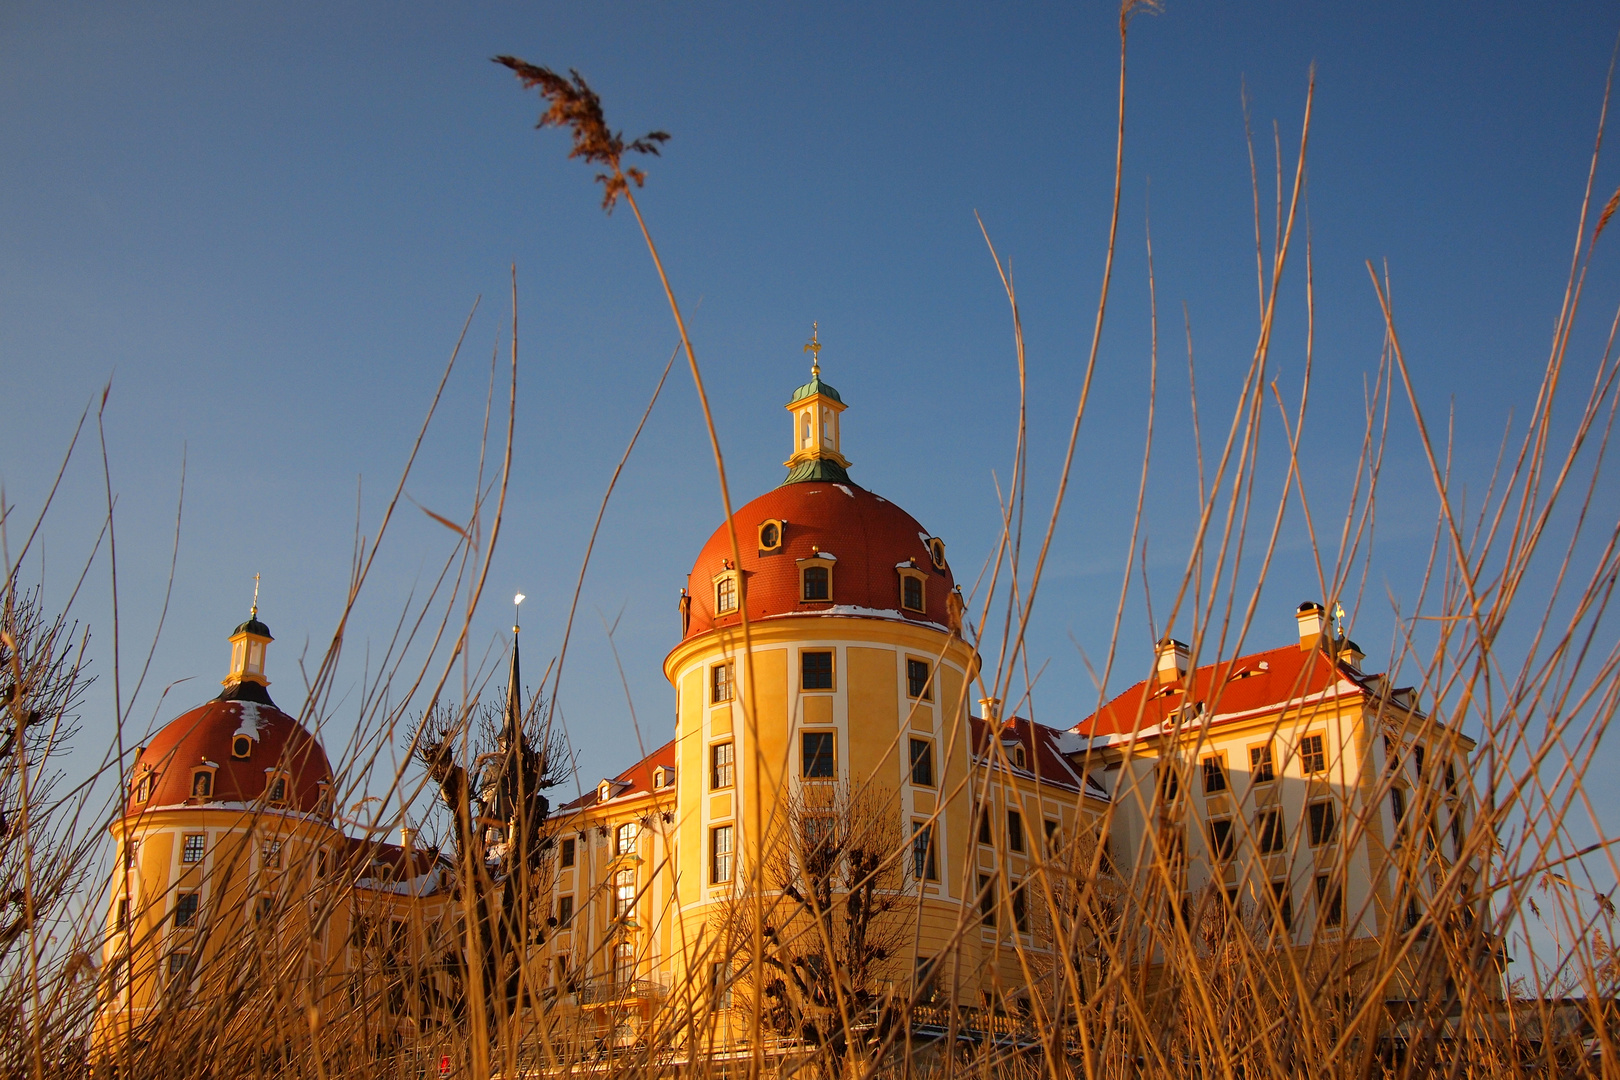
(275, 789)
(913, 588)
(725, 593)
(241, 748)
(202, 783)
(770, 536)
(936, 552)
(815, 577)
(604, 791)
(143, 788)
(664, 776)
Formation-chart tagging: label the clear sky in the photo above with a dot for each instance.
(266, 224)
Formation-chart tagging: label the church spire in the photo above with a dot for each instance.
(511, 732)
(815, 407)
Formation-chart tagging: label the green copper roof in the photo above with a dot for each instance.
(819, 469)
(813, 387)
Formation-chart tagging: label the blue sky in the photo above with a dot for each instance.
(266, 227)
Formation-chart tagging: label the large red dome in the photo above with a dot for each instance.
(207, 736)
(867, 536)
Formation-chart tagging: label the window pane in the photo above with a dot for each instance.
(192, 852)
(1324, 821)
(721, 767)
(625, 840)
(816, 670)
(720, 683)
(922, 762)
(987, 900)
(1260, 771)
(815, 583)
(568, 852)
(725, 595)
(720, 845)
(922, 852)
(1214, 775)
(819, 762)
(565, 911)
(1312, 759)
(185, 910)
(917, 678)
(1220, 838)
(911, 593)
(1015, 830)
(1271, 832)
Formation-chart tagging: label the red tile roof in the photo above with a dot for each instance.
(1044, 753)
(865, 533)
(204, 736)
(1248, 684)
(636, 780)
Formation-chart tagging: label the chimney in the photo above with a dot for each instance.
(990, 709)
(1312, 623)
(1174, 660)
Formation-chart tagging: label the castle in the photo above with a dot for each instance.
(825, 680)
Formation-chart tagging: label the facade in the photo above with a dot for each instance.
(824, 687)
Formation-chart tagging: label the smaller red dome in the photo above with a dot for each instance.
(213, 735)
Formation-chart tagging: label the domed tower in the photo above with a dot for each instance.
(854, 677)
(227, 826)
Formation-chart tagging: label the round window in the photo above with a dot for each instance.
(769, 535)
(241, 747)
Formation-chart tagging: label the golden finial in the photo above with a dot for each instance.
(254, 613)
(813, 347)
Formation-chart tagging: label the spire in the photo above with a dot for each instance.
(512, 732)
(815, 407)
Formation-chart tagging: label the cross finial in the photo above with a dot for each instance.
(813, 347)
(255, 610)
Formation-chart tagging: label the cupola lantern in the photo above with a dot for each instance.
(815, 407)
(248, 644)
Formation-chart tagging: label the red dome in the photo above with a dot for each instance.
(205, 736)
(867, 536)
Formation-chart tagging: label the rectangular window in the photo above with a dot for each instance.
(262, 909)
(722, 765)
(987, 899)
(1015, 831)
(922, 852)
(720, 985)
(321, 867)
(984, 826)
(816, 583)
(568, 852)
(815, 671)
(1269, 824)
(1282, 900)
(911, 593)
(121, 917)
(1451, 778)
(1312, 758)
(1214, 774)
(922, 762)
(565, 912)
(1329, 901)
(1324, 822)
(1020, 908)
(278, 790)
(720, 683)
(817, 830)
(917, 680)
(624, 894)
(1051, 828)
(1260, 770)
(1220, 838)
(624, 963)
(185, 910)
(818, 760)
(177, 965)
(191, 849)
(1457, 833)
(721, 854)
(1397, 808)
(270, 855)
(1417, 760)
(725, 595)
(1169, 782)
(624, 839)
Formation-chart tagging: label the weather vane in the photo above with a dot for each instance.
(813, 347)
(517, 604)
(254, 613)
